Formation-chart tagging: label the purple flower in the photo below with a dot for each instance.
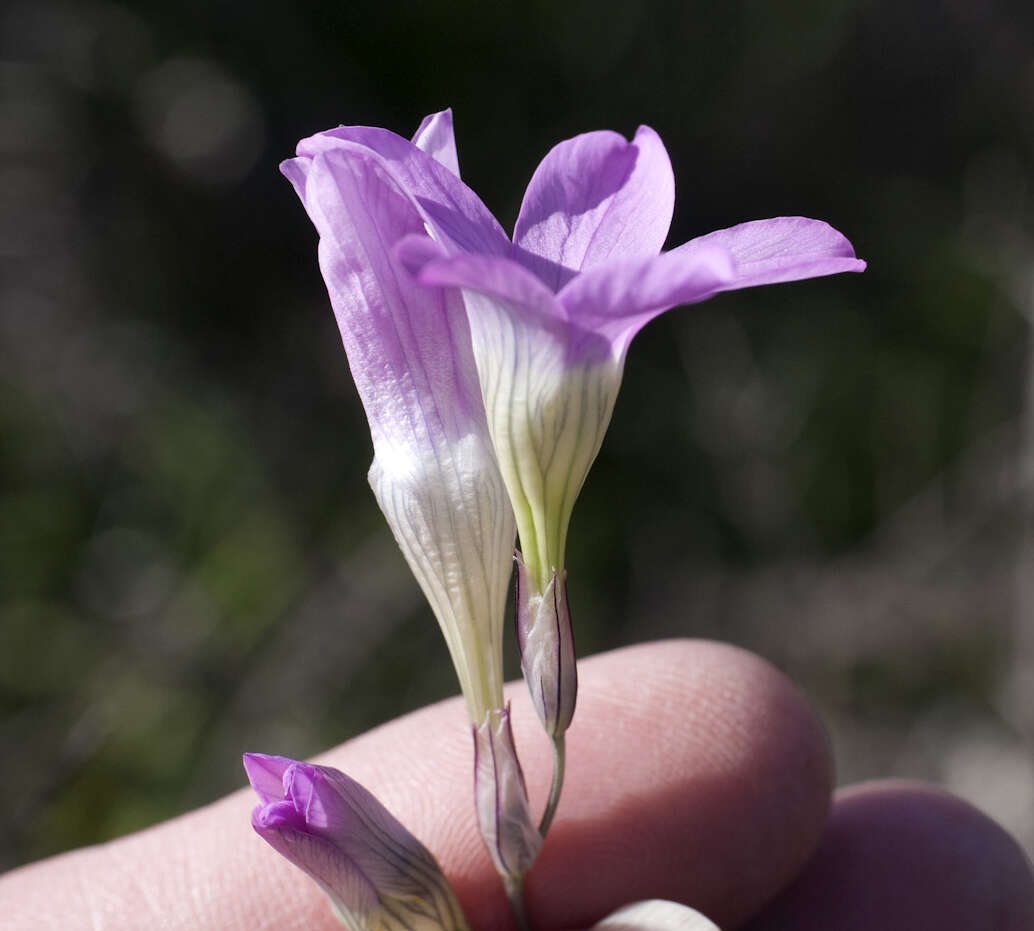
(434, 473)
(376, 874)
(551, 314)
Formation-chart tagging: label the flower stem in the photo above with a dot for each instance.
(515, 892)
(556, 786)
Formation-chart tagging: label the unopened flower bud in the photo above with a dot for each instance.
(501, 798)
(546, 645)
(377, 875)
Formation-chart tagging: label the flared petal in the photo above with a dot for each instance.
(493, 276)
(409, 349)
(435, 137)
(453, 213)
(614, 302)
(779, 249)
(617, 300)
(594, 198)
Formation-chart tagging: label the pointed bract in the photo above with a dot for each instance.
(546, 646)
(376, 874)
(504, 815)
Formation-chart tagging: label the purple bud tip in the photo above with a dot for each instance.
(266, 775)
(374, 871)
(304, 787)
(278, 815)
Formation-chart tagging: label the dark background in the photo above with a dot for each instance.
(836, 474)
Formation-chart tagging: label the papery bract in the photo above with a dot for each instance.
(501, 798)
(434, 472)
(376, 874)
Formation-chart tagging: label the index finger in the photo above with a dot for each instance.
(695, 773)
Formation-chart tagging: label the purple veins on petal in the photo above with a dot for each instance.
(590, 231)
(367, 863)
(409, 349)
(549, 318)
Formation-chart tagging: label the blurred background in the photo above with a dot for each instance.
(836, 474)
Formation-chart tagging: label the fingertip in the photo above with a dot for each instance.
(899, 856)
(698, 773)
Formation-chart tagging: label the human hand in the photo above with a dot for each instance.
(696, 773)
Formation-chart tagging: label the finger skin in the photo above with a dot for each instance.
(696, 773)
(900, 856)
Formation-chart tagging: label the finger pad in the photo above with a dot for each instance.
(900, 856)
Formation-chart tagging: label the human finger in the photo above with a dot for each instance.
(901, 856)
(696, 773)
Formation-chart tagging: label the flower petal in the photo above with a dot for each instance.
(619, 299)
(266, 775)
(593, 198)
(614, 302)
(435, 137)
(493, 276)
(780, 249)
(353, 897)
(547, 408)
(655, 915)
(452, 210)
(409, 349)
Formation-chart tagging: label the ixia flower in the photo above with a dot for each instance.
(377, 875)
(434, 473)
(552, 313)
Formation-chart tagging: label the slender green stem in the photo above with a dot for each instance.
(556, 786)
(515, 892)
